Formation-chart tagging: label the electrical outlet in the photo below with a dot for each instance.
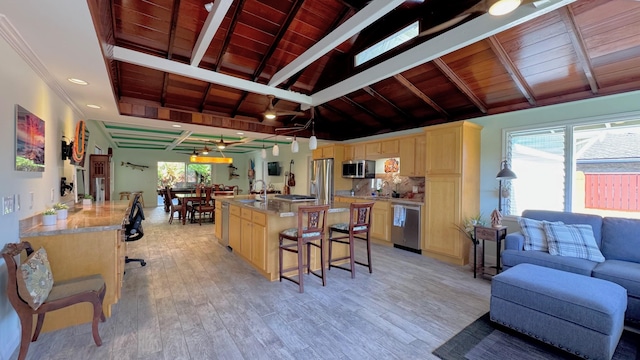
(7, 205)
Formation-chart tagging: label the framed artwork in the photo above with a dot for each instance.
(29, 141)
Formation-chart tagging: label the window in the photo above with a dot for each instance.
(179, 174)
(387, 44)
(587, 168)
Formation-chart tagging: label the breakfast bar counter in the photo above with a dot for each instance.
(254, 227)
(90, 241)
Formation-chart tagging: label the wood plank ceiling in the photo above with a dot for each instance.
(588, 48)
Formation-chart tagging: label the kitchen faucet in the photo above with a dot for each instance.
(264, 187)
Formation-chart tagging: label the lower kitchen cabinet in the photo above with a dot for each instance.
(381, 221)
(259, 241)
(234, 227)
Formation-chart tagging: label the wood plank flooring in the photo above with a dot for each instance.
(197, 300)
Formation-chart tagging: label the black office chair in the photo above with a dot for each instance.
(133, 228)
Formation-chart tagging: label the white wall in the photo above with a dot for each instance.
(20, 85)
(300, 167)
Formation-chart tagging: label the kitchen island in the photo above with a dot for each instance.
(254, 227)
(90, 241)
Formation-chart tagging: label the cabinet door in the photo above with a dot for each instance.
(390, 147)
(259, 246)
(328, 152)
(234, 232)
(348, 152)
(372, 149)
(317, 154)
(442, 204)
(420, 156)
(407, 157)
(218, 225)
(380, 221)
(245, 238)
(444, 150)
(359, 152)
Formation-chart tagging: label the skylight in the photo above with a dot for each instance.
(387, 44)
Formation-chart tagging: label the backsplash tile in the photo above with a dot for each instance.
(365, 187)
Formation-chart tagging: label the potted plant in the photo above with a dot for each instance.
(467, 228)
(49, 217)
(62, 210)
(87, 199)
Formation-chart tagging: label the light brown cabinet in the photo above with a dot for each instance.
(390, 147)
(381, 220)
(412, 156)
(259, 240)
(452, 189)
(358, 151)
(218, 219)
(234, 228)
(324, 152)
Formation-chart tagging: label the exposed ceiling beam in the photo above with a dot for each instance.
(185, 135)
(363, 18)
(466, 34)
(227, 38)
(211, 25)
(461, 85)
(511, 68)
(272, 48)
(204, 97)
(371, 91)
(580, 48)
(172, 38)
(422, 96)
(174, 67)
(360, 107)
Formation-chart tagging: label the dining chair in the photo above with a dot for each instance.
(206, 206)
(310, 232)
(173, 208)
(32, 290)
(358, 228)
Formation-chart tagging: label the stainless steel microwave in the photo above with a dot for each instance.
(359, 169)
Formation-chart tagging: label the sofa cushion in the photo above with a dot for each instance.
(569, 218)
(534, 235)
(621, 239)
(624, 273)
(572, 240)
(512, 258)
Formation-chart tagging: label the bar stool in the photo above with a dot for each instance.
(307, 233)
(359, 224)
(124, 194)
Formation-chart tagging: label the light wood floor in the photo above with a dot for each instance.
(197, 300)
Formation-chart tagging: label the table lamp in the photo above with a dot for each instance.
(504, 174)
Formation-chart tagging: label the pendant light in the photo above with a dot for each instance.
(294, 145)
(263, 152)
(313, 141)
(276, 149)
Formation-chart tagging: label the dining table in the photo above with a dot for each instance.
(192, 198)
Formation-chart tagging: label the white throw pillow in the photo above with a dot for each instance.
(573, 240)
(534, 235)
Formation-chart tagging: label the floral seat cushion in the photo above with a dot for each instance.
(35, 279)
(345, 227)
(293, 232)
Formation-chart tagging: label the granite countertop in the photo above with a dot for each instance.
(100, 217)
(386, 198)
(281, 208)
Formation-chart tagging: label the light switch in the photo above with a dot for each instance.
(17, 202)
(31, 199)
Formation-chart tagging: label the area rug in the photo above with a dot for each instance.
(485, 340)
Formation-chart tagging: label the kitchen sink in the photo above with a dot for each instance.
(247, 201)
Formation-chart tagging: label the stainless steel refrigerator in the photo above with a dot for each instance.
(321, 180)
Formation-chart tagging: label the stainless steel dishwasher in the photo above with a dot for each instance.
(224, 240)
(406, 229)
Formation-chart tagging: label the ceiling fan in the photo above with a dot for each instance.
(222, 144)
(271, 113)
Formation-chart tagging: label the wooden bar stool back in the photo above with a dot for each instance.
(310, 232)
(65, 293)
(358, 228)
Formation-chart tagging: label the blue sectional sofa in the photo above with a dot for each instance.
(617, 238)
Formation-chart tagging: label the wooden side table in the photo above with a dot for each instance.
(483, 233)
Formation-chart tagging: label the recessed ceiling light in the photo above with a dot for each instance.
(240, 133)
(176, 126)
(288, 138)
(78, 81)
(94, 106)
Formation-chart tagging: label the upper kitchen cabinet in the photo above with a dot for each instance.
(380, 149)
(448, 146)
(354, 152)
(328, 152)
(412, 155)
